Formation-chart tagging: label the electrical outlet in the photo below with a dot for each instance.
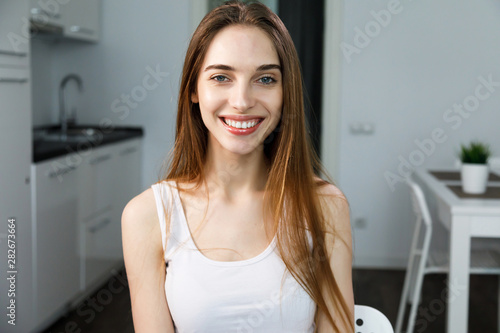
(360, 223)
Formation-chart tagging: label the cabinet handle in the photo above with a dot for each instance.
(100, 159)
(60, 172)
(13, 80)
(99, 226)
(39, 11)
(13, 53)
(128, 150)
(77, 28)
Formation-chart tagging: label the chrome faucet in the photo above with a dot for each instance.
(63, 117)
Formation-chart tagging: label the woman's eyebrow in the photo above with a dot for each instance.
(265, 67)
(220, 67)
(268, 67)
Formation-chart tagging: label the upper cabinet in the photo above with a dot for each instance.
(82, 19)
(74, 19)
(46, 15)
(14, 39)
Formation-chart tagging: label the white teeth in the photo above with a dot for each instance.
(238, 124)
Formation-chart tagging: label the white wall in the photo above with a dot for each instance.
(137, 37)
(426, 59)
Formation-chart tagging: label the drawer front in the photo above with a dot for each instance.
(99, 257)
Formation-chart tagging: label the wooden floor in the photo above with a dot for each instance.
(382, 290)
(378, 288)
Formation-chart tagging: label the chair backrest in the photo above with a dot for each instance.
(494, 163)
(418, 202)
(370, 320)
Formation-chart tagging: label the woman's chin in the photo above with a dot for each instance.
(244, 149)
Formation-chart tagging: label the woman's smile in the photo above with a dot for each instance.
(241, 126)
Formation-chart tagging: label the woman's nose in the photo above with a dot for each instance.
(241, 97)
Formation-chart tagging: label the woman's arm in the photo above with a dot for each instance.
(336, 211)
(145, 266)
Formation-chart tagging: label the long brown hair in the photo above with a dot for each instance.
(292, 161)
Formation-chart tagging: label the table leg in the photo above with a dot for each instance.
(458, 277)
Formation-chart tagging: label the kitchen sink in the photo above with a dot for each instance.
(72, 135)
(67, 138)
(48, 141)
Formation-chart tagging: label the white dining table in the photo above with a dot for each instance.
(464, 218)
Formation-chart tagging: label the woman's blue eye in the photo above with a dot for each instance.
(219, 78)
(267, 80)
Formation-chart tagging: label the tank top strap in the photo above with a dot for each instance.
(169, 208)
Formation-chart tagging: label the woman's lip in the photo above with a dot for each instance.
(241, 118)
(240, 131)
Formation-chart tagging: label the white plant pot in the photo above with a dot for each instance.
(474, 178)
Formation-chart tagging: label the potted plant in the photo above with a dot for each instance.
(475, 170)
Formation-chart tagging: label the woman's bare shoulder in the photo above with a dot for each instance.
(334, 205)
(329, 190)
(140, 213)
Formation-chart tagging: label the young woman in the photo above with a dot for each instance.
(240, 235)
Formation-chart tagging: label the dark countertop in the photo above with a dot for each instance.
(44, 150)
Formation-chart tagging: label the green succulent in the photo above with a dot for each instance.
(475, 153)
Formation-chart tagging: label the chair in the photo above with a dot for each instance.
(370, 320)
(494, 163)
(422, 262)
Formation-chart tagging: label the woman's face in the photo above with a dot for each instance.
(239, 89)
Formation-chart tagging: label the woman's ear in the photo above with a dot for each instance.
(194, 98)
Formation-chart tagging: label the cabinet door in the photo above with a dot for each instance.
(57, 253)
(96, 183)
(47, 13)
(15, 146)
(128, 175)
(82, 19)
(15, 137)
(14, 39)
(127, 184)
(98, 260)
(15, 202)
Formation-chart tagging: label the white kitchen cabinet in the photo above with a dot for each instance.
(127, 184)
(82, 20)
(14, 36)
(77, 204)
(98, 261)
(94, 212)
(96, 182)
(109, 178)
(56, 248)
(15, 161)
(77, 19)
(47, 13)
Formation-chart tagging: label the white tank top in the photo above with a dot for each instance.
(210, 296)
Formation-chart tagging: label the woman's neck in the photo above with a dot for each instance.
(232, 175)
